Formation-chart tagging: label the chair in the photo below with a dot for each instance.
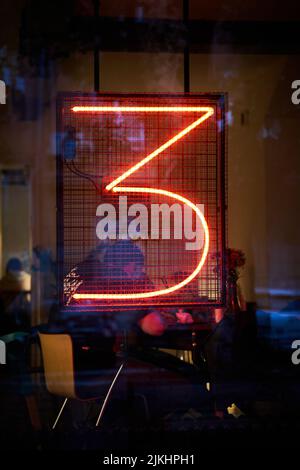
(60, 376)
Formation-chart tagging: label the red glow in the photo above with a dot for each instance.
(115, 188)
(142, 109)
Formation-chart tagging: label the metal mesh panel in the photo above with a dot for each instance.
(128, 231)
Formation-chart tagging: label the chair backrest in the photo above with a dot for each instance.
(57, 352)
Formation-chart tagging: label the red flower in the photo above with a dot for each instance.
(235, 259)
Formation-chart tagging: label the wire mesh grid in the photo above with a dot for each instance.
(133, 241)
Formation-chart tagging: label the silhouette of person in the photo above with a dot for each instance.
(119, 268)
(15, 288)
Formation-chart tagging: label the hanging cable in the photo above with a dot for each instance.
(73, 169)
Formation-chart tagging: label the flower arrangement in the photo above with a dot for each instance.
(235, 260)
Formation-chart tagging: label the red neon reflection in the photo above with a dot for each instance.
(113, 186)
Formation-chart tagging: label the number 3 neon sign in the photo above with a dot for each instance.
(116, 188)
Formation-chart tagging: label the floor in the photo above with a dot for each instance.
(155, 407)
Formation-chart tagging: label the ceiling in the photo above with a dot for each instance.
(230, 10)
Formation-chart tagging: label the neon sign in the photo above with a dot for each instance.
(144, 174)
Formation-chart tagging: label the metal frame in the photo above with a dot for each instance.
(221, 100)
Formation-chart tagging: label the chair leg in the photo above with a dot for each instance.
(60, 412)
(108, 394)
(146, 407)
(33, 412)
